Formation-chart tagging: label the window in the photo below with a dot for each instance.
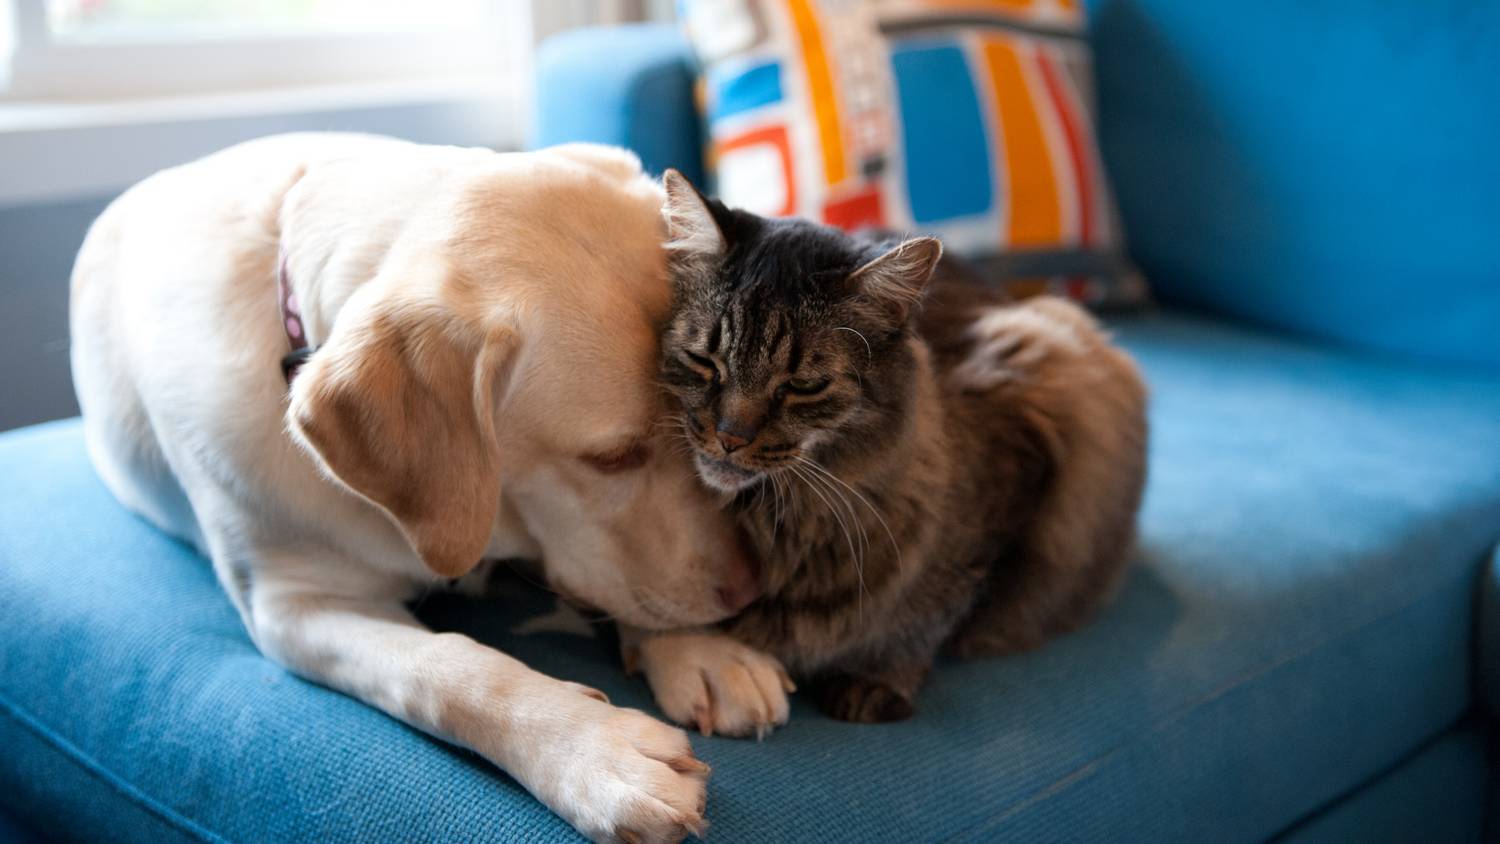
(108, 49)
(98, 94)
(117, 20)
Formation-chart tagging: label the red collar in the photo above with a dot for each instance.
(293, 325)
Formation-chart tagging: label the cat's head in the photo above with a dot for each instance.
(787, 338)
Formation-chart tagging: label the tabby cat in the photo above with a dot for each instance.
(919, 464)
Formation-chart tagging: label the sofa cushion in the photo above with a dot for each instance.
(970, 121)
(1488, 657)
(1299, 620)
(633, 88)
(1435, 794)
(1326, 167)
(12, 832)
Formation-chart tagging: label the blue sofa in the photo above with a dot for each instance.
(1307, 649)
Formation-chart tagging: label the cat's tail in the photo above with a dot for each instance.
(1085, 402)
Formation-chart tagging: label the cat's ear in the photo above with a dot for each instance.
(895, 280)
(693, 235)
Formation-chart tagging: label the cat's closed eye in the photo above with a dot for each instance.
(704, 366)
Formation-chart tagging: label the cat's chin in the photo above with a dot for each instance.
(724, 476)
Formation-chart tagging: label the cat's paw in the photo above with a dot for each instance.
(714, 683)
(999, 639)
(863, 700)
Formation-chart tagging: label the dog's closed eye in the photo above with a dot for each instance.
(632, 456)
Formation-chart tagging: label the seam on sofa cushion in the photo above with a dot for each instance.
(100, 772)
(1085, 770)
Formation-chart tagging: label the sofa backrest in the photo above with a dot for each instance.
(1330, 167)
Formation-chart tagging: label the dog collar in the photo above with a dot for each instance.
(292, 323)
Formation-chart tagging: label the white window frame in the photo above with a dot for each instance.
(42, 67)
(87, 120)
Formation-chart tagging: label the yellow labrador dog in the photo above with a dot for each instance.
(480, 335)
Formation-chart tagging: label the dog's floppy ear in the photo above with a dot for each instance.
(399, 406)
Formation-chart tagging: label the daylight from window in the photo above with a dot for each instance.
(140, 20)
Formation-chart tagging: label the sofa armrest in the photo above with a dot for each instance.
(631, 86)
(1488, 668)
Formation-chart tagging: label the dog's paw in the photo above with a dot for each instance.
(618, 775)
(715, 683)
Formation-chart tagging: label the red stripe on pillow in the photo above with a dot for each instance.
(1067, 110)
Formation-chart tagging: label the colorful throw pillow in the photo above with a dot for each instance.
(968, 119)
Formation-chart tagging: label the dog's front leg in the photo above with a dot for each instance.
(615, 774)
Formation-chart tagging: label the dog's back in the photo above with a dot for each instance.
(206, 232)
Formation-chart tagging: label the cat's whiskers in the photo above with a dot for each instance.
(663, 385)
(671, 421)
(776, 501)
(818, 485)
(679, 438)
(760, 494)
(775, 485)
(896, 546)
(811, 482)
(869, 353)
(683, 445)
(864, 536)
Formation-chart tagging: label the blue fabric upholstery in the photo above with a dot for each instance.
(1300, 622)
(1326, 167)
(1489, 636)
(1436, 795)
(11, 831)
(629, 86)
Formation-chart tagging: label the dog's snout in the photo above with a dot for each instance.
(741, 581)
(734, 598)
(734, 433)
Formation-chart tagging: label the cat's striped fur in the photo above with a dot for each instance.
(919, 463)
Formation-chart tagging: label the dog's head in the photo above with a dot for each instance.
(500, 366)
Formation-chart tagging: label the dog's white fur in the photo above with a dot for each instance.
(486, 327)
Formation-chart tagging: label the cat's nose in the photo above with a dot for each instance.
(733, 435)
(731, 441)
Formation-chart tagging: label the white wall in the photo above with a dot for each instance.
(55, 179)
